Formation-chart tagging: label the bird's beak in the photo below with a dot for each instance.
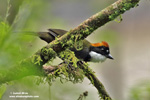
(109, 56)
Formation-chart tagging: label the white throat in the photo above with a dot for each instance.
(96, 57)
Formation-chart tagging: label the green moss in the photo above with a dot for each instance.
(119, 20)
(112, 16)
(40, 80)
(36, 59)
(48, 53)
(50, 78)
(70, 43)
(45, 55)
(65, 74)
(63, 43)
(125, 6)
(57, 40)
(117, 12)
(69, 57)
(69, 71)
(78, 45)
(87, 29)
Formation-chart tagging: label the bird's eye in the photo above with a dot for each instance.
(107, 50)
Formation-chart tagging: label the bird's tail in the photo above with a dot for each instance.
(47, 36)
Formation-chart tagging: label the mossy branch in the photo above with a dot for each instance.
(86, 28)
(88, 72)
(95, 81)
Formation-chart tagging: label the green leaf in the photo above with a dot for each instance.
(2, 90)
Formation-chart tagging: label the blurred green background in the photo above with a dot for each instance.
(125, 78)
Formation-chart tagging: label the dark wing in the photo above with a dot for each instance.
(51, 34)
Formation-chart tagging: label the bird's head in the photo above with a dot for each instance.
(99, 52)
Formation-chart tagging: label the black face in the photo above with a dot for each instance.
(102, 50)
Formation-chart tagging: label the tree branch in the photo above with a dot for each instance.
(88, 73)
(86, 28)
(95, 81)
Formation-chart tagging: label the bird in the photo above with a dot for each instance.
(91, 52)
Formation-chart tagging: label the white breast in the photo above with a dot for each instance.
(96, 57)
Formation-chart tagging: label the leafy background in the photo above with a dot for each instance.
(126, 78)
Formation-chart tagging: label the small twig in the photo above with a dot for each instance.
(83, 95)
